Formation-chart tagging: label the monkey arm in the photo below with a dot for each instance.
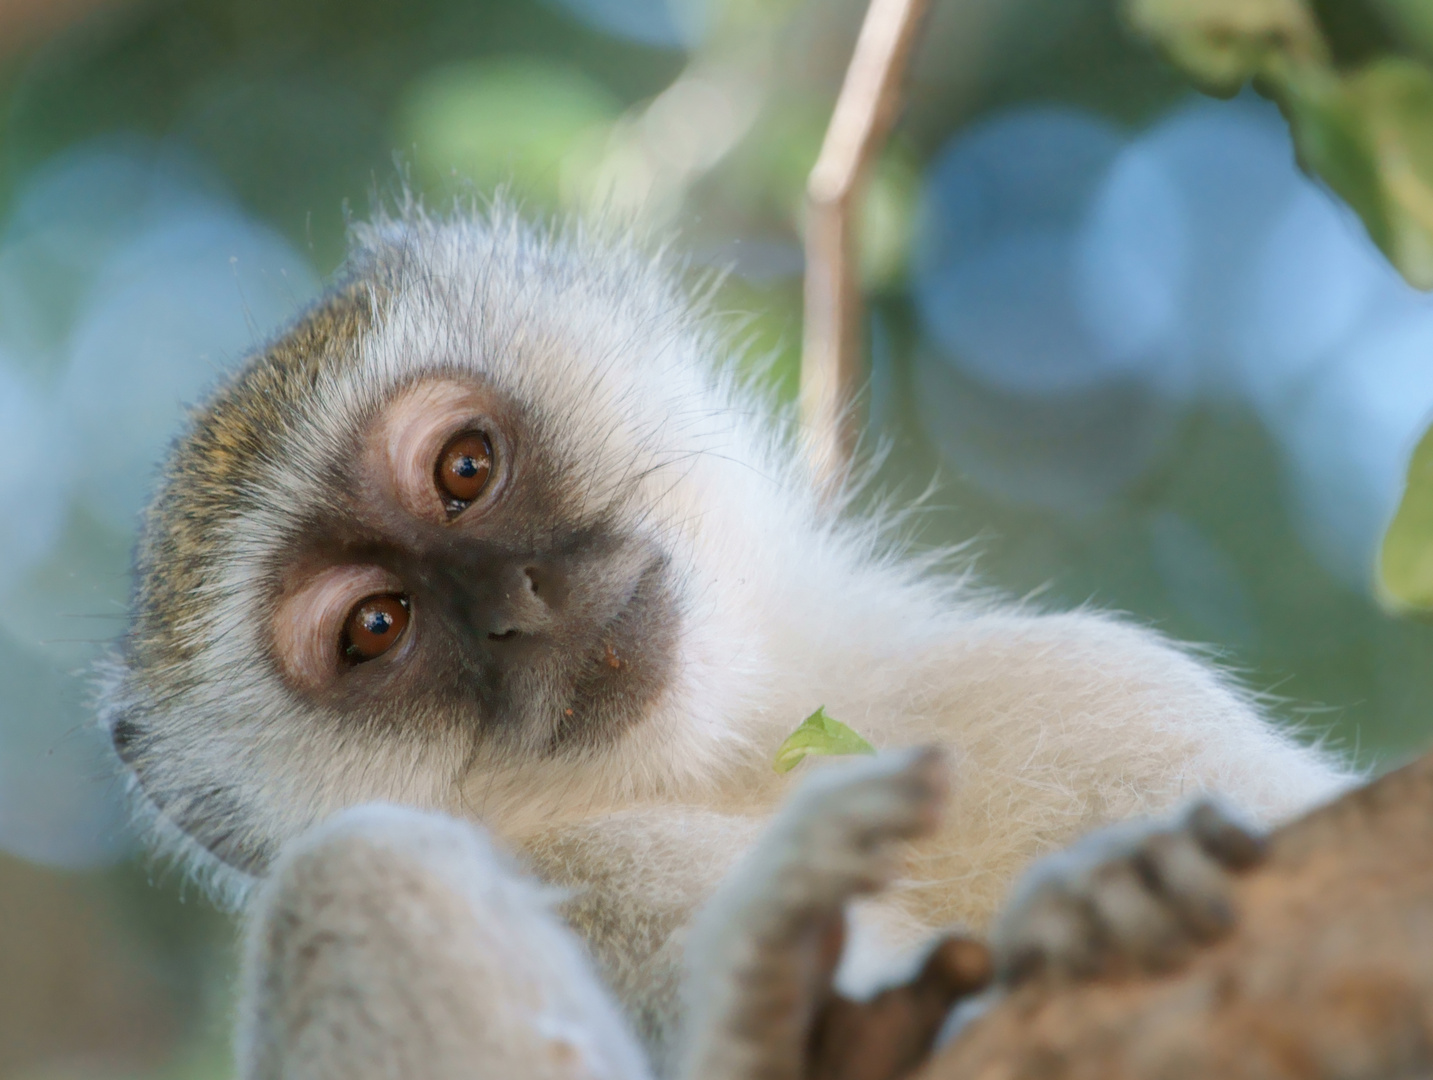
(759, 997)
(393, 943)
(1059, 724)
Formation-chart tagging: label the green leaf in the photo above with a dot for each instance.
(819, 734)
(1405, 564)
(1369, 135)
(1222, 44)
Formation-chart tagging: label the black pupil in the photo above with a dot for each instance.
(467, 467)
(378, 623)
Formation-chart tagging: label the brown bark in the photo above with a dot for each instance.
(1328, 974)
(890, 1035)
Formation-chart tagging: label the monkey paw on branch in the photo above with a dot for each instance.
(1326, 971)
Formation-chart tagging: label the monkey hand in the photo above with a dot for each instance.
(834, 840)
(1138, 896)
(763, 954)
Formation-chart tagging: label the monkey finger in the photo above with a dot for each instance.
(1189, 882)
(887, 1036)
(1052, 931)
(901, 797)
(1137, 927)
(957, 967)
(897, 795)
(1224, 835)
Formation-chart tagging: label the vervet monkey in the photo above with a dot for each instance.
(495, 530)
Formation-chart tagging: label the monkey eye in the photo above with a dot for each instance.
(463, 469)
(374, 626)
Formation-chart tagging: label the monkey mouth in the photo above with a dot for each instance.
(647, 590)
(627, 668)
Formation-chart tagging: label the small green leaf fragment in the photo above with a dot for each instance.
(1405, 564)
(819, 734)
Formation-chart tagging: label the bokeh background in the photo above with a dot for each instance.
(1117, 338)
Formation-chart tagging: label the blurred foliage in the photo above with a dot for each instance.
(1406, 560)
(1411, 21)
(1223, 44)
(1369, 135)
(521, 120)
(1366, 129)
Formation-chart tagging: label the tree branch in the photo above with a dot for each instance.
(831, 363)
(1329, 973)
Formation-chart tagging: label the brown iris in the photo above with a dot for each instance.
(374, 626)
(464, 468)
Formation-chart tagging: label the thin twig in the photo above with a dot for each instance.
(831, 361)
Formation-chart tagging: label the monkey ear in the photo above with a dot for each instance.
(203, 825)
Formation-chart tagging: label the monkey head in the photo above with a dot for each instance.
(450, 541)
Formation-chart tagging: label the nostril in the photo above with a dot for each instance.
(547, 583)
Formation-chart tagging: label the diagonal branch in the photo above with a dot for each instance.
(831, 365)
(1329, 972)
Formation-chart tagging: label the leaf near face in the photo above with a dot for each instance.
(819, 734)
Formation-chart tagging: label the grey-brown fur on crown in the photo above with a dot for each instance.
(215, 461)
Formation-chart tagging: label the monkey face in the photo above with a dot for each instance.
(451, 576)
(471, 536)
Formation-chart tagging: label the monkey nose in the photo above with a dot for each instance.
(522, 610)
(502, 600)
(546, 582)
